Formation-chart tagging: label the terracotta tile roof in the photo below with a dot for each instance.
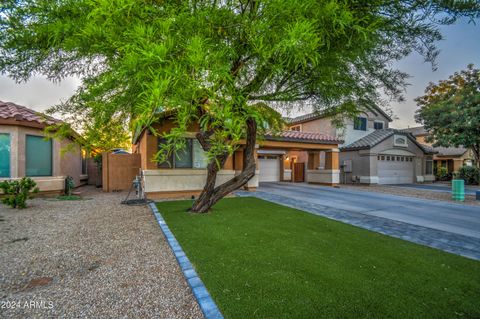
(9, 110)
(303, 137)
(321, 114)
(305, 117)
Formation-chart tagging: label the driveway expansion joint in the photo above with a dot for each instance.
(200, 292)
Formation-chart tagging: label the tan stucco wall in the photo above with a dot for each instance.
(70, 163)
(119, 171)
(168, 180)
(422, 140)
(323, 176)
(322, 126)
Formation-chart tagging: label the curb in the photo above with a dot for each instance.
(205, 301)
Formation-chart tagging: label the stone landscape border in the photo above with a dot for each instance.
(205, 301)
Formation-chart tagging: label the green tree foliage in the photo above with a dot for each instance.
(16, 192)
(450, 111)
(470, 174)
(218, 63)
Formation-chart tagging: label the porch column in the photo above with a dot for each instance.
(457, 164)
(330, 175)
(313, 160)
(331, 159)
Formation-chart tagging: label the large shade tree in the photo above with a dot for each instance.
(219, 63)
(450, 111)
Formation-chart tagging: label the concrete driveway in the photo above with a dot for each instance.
(453, 218)
(453, 228)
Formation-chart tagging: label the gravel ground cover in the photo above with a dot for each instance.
(92, 258)
(469, 199)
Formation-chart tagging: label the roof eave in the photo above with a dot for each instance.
(307, 141)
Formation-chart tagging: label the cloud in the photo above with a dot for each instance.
(38, 93)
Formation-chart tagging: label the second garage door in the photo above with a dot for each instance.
(269, 168)
(395, 169)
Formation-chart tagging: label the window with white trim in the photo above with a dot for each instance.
(378, 125)
(360, 123)
(400, 140)
(295, 128)
(38, 156)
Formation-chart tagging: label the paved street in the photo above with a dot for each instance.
(450, 227)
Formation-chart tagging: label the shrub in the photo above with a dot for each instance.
(442, 174)
(69, 185)
(470, 174)
(17, 192)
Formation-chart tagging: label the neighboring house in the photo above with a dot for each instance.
(372, 153)
(452, 158)
(387, 156)
(349, 132)
(277, 159)
(24, 151)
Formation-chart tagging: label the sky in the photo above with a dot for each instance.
(460, 47)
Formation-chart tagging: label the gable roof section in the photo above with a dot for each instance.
(450, 151)
(416, 131)
(379, 136)
(14, 114)
(439, 150)
(303, 137)
(317, 115)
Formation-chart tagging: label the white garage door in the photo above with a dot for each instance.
(269, 168)
(395, 169)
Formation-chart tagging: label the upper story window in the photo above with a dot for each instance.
(378, 125)
(400, 140)
(191, 156)
(360, 124)
(4, 155)
(295, 128)
(38, 156)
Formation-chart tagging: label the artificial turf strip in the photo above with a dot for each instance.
(263, 260)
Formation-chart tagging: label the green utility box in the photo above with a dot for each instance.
(458, 190)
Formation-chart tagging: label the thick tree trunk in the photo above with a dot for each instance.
(210, 194)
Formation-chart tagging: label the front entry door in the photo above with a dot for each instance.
(298, 172)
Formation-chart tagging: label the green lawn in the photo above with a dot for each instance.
(262, 260)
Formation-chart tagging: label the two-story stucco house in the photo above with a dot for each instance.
(372, 153)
